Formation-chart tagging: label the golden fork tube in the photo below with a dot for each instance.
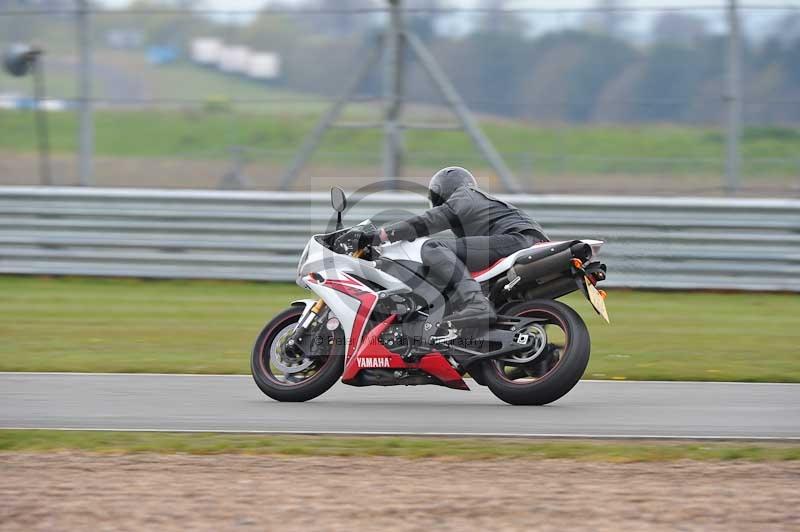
(318, 306)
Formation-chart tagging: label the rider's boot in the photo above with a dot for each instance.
(474, 310)
(469, 307)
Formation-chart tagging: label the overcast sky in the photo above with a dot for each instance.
(756, 24)
(255, 4)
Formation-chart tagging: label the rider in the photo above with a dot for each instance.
(487, 229)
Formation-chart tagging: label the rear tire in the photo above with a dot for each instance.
(329, 371)
(558, 377)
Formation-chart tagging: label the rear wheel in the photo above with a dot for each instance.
(555, 363)
(294, 379)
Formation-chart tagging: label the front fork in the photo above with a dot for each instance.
(297, 344)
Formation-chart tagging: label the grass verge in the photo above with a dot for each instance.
(129, 325)
(649, 150)
(404, 447)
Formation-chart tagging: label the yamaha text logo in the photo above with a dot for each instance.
(378, 362)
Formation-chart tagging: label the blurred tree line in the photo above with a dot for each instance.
(502, 63)
(589, 74)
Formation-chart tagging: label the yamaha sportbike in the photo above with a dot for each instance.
(378, 321)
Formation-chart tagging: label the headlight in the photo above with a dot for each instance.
(303, 258)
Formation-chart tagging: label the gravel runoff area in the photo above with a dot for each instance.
(81, 491)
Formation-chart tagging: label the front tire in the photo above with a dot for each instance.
(313, 381)
(557, 371)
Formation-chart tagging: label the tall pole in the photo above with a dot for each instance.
(42, 132)
(393, 94)
(85, 127)
(733, 99)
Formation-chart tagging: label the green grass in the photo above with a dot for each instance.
(119, 325)
(276, 120)
(178, 82)
(129, 325)
(414, 448)
(531, 149)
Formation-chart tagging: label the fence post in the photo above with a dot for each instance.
(393, 81)
(733, 100)
(85, 127)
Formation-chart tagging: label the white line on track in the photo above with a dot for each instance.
(247, 376)
(426, 434)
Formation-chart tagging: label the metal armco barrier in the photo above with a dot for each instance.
(670, 243)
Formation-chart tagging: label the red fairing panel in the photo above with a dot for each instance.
(483, 271)
(372, 354)
(438, 366)
(367, 298)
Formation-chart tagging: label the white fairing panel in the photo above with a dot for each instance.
(343, 306)
(403, 250)
(317, 258)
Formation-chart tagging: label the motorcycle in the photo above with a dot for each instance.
(377, 321)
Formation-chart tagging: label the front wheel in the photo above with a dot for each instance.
(556, 362)
(295, 379)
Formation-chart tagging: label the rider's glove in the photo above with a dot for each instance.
(357, 239)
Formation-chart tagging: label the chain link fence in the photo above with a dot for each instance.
(610, 98)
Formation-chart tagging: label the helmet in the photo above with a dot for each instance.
(446, 181)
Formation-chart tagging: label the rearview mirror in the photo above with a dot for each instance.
(338, 199)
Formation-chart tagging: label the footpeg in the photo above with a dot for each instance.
(451, 335)
(472, 322)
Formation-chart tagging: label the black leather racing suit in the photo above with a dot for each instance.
(486, 229)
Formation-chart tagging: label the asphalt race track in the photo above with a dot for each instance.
(234, 404)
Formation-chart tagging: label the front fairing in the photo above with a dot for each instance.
(349, 286)
(317, 255)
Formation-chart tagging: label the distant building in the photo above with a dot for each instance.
(206, 51)
(235, 59)
(264, 65)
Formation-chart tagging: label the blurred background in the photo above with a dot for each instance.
(670, 129)
(601, 97)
